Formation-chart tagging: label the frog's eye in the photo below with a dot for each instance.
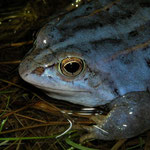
(71, 66)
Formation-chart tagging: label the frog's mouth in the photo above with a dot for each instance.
(72, 96)
(57, 90)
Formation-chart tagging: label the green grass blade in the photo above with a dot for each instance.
(78, 146)
(2, 124)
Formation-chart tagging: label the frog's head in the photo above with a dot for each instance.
(66, 67)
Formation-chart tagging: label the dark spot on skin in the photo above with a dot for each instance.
(96, 43)
(128, 15)
(62, 39)
(85, 79)
(123, 17)
(88, 8)
(146, 48)
(147, 61)
(92, 25)
(107, 9)
(86, 51)
(145, 4)
(126, 60)
(38, 71)
(76, 17)
(117, 92)
(47, 46)
(109, 40)
(100, 24)
(147, 89)
(49, 77)
(133, 33)
(50, 35)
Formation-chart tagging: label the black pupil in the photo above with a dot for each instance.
(72, 67)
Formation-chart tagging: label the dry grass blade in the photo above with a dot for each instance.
(118, 144)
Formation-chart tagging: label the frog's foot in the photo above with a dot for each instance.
(129, 116)
(92, 133)
(89, 135)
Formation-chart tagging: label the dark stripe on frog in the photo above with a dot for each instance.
(129, 50)
(107, 40)
(75, 27)
(133, 33)
(147, 62)
(95, 43)
(103, 20)
(145, 4)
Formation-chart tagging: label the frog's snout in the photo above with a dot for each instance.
(25, 69)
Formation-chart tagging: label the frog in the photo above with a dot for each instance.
(95, 55)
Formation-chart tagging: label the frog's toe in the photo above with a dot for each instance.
(87, 137)
(92, 132)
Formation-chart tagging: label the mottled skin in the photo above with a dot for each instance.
(113, 40)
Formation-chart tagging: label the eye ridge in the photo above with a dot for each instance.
(71, 66)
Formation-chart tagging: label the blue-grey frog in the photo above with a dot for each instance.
(94, 55)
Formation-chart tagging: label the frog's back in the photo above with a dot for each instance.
(117, 36)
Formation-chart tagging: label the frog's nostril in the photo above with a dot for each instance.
(49, 77)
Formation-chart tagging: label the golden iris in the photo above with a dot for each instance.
(71, 66)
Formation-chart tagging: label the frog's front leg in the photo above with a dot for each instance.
(129, 116)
